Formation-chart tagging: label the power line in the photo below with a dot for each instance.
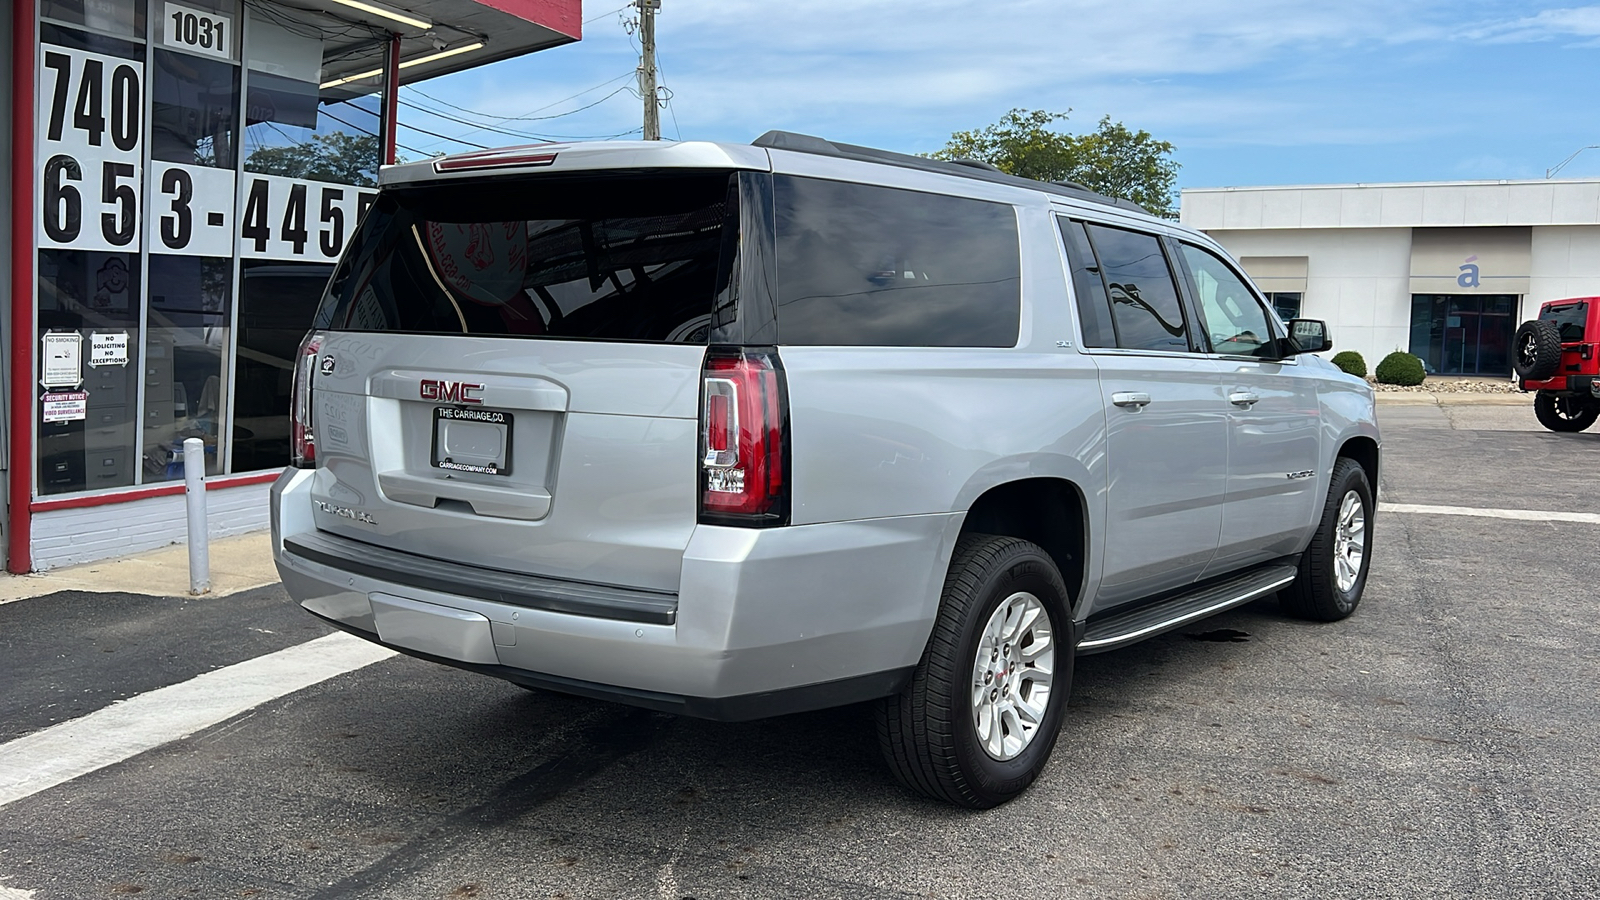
(477, 127)
(529, 117)
(605, 14)
(442, 136)
(356, 127)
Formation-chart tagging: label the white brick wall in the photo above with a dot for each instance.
(64, 537)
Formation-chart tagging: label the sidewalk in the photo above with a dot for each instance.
(237, 564)
(1449, 398)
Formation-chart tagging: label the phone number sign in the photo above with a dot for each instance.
(294, 219)
(90, 150)
(93, 193)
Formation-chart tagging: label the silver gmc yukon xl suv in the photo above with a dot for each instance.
(734, 431)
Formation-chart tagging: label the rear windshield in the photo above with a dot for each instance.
(633, 258)
(1569, 320)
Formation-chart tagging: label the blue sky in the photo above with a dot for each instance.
(1250, 91)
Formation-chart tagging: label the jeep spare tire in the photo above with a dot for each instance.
(1538, 350)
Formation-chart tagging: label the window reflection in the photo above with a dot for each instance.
(293, 126)
(192, 117)
(119, 17)
(184, 375)
(277, 302)
(1144, 299)
(864, 265)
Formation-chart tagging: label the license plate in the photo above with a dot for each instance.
(472, 440)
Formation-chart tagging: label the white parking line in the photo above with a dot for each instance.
(1530, 515)
(63, 752)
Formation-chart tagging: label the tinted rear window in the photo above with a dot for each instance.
(1569, 321)
(863, 265)
(1144, 298)
(634, 258)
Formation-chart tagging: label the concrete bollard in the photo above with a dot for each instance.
(194, 495)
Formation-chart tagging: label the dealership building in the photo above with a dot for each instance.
(183, 176)
(1445, 270)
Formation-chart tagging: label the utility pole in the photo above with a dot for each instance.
(647, 67)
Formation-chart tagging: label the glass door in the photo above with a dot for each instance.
(1463, 334)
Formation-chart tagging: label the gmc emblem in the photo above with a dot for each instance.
(450, 391)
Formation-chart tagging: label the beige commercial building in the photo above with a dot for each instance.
(1446, 270)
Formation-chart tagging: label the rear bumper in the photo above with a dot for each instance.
(1577, 384)
(766, 621)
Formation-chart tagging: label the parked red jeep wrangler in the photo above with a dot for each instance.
(1558, 355)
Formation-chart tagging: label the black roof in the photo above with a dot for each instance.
(964, 168)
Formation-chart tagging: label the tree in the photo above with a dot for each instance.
(336, 157)
(1111, 160)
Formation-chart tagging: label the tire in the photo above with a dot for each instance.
(1537, 350)
(1565, 413)
(1326, 589)
(929, 733)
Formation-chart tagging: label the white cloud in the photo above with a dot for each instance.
(1582, 21)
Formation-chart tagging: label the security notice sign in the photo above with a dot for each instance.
(90, 133)
(69, 406)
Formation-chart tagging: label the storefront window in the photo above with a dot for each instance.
(277, 302)
(52, 35)
(1285, 303)
(1463, 334)
(297, 127)
(119, 17)
(185, 374)
(88, 321)
(183, 170)
(193, 119)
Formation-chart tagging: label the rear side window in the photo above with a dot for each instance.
(1093, 311)
(621, 259)
(1570, 321)
(1144, 298)
(1143, 295)
(859, 265)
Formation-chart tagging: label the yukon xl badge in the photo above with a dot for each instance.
(345, 512)
(450, 391)
(1302, 474)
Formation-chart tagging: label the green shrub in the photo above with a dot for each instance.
(1400, 368)
(1351, 362)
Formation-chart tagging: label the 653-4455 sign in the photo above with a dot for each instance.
(92, 191)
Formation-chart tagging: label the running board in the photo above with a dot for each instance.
(1122, 629)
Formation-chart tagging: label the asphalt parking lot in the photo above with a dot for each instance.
(1439, 743)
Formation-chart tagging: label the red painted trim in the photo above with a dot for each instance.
(391, 99)
(144, 493)
(19, 517)
(561, 16)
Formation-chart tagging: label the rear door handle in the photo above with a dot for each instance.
(1243, 398)
(1134, 399)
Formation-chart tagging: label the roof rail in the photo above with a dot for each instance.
(963, 168)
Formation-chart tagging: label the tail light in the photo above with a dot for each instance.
(302, 442)
(744, 439)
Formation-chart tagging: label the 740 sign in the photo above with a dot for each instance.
(89, 149)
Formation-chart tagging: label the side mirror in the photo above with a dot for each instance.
(1309, 336)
